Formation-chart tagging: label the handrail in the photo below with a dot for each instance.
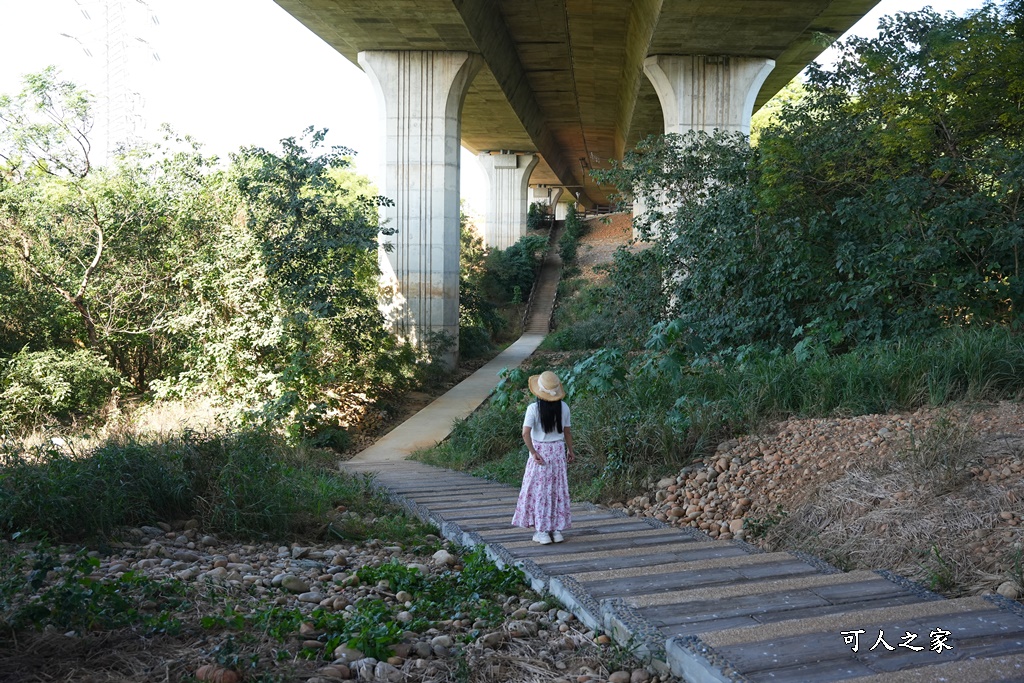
(605, 210)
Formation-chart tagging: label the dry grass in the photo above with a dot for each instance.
(529, 660)
(108, 657)
(158, 420)
(921, 513)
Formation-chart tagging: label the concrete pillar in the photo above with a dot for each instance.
(420, 95)
(509, 176)
(547, 195)
(705, 93)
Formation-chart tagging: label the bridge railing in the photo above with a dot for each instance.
(605, 210)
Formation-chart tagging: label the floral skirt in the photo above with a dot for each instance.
(544, 496)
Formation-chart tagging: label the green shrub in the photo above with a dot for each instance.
(881, 204)
(511, 272)
(568, 243)
(43, 387)
(617, 312)
(641, 414)
(536, 216)
(245, 484)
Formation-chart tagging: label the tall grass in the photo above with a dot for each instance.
(245, 484)
(649, 422)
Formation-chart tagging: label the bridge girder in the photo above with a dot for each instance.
(564, 78)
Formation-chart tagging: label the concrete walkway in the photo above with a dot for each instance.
(433, 424)
(708, 611)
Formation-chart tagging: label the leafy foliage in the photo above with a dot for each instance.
(536, 216)
(472, 590)
(480, 322)
(39, 590)
(511, 272)
(568, 243)
(245, 484)
(881, 204)
(619, 311)
(255, 283)
(46, 386)
(637, 415)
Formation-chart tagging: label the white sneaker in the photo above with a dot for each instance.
(542, 537)
(557, 537)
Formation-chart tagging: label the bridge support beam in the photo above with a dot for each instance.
(420, 95)
(509, 176)
(699, 92)
(704, 93)
(546, 195)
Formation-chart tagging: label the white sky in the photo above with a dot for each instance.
(234, 72)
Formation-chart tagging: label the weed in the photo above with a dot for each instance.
(938, 572)
(372, 630)
(245, 484)
(621, 656)
(1016, 563)
(941, 456)
(640, 413)
(39, 590)
(758, 527)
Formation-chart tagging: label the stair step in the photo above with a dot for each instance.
(645, 580)
(815, 648)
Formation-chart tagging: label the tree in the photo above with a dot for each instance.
(883, 203)
(94, 250)
(284, 298)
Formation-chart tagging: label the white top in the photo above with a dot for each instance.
(537, 433)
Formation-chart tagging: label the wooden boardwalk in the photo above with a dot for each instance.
(722, 610)
(709, 611)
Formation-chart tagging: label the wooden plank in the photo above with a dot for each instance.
(794, 567)
(847, 606)
(974, 634)
(646, 584)
(495, 525)
(812, 673)
(598, 543)
(847, 592)
(739, 606)
(701, 624)
(619, 562)
(574, 533)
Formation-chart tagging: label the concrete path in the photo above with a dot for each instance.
(433, 424)
(708, 611)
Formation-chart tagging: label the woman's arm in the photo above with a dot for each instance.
(570, 454)
(528, 440)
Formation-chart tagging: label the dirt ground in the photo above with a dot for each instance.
(603, 237)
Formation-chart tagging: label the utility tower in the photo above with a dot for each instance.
(118, 38)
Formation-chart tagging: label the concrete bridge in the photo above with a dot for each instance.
(544, 91)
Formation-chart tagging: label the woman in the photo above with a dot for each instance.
(544, 497)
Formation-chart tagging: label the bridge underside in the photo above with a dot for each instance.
(544, 91)
(564, 78)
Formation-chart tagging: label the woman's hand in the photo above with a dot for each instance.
(537, 458)
(570, 455)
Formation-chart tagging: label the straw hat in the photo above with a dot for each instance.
(547, 387)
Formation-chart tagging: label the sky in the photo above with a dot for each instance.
(230, 72)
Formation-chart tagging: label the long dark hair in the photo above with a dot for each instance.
(550, 415)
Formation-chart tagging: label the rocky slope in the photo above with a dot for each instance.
(934, 494)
